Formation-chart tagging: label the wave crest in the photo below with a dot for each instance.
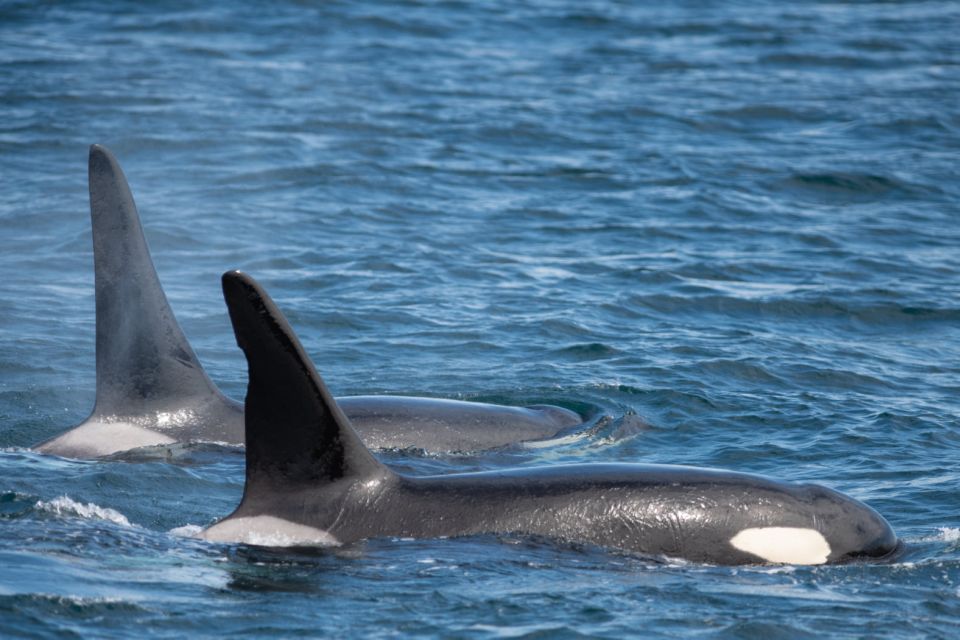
(66, 506)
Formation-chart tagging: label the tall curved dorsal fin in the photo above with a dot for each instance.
(144, 362)
(296, 434)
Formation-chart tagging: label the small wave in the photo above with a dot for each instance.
(65, 506)
(75, 604)
(14, 504)
(875, 44)
(549, 273)
(833, 306)
(946, 534)
(554, 442)
(841, 181)
(522, 631)
(819, 60)
(588, 351)
(186, 531)
(778, 113)
(850, 185)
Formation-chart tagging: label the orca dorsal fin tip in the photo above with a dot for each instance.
(296, 435)
(98, 152)
(243, 295)
(106, 178)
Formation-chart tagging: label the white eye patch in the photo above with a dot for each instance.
(784, 545)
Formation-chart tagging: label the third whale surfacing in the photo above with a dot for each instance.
(311, 481)
(152, 389)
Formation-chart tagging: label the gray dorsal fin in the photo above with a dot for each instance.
(296, 434)
(144, 362)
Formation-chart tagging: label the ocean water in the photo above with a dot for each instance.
(728, 234)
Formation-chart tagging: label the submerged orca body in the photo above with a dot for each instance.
(311, 480)
(152, 390)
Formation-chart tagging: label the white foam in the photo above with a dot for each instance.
(553, 442)
(65, 506)
(948, 534)
(268, 531)
(784, 545)
(186, 531)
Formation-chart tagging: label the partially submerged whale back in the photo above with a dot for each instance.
(152, 390)
(310, 480)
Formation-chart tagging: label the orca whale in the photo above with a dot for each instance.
(152, 389)
(311, 481)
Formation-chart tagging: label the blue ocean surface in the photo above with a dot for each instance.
(728, 234)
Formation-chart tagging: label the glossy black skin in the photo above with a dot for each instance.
(149, 376)
(671, 511)
(441, 425)
(305, 464)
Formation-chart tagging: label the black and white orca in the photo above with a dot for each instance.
(311, 481)
(152, 390)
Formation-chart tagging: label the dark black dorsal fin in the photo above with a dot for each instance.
(144, 362)
(296, 434)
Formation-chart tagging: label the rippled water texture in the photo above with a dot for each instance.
(727, 233)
